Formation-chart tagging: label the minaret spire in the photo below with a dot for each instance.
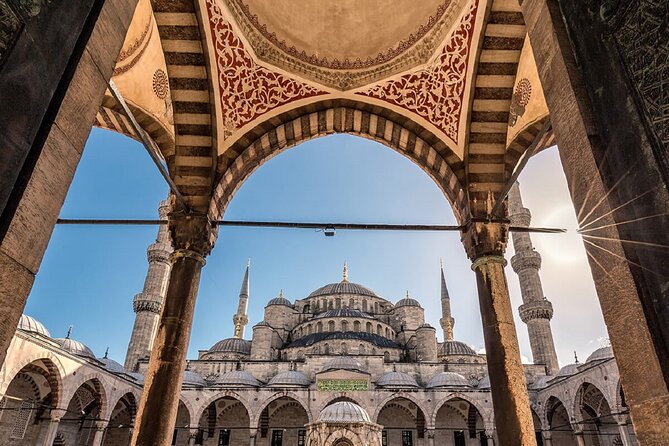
(241, 319)
(447, 321)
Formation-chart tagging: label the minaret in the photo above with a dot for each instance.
(536, 311)
(447, 321)
(148, 303)
(241, 319)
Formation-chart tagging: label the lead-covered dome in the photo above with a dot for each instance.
(75, 347)
(455, 348)
(344, 412)
(112, 366)
(280, 300)
(231, 345)
(568, 370)
(397, 379)
(447, 379)
(238, 378)
(344, 363)
(344, 287)
(32, 325)
(192, 378)
(484, 383)
(344, 312)
(601, 354)
(407, 301)
(541, 382)
(290, 378)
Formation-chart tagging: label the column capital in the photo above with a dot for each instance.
(192, 234)
(430, 433)
(56, 414)
(192, 433)
(483, 238)
(546, 434)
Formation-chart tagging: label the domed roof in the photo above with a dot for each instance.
(343, 363)
(484, 383)
(541, 382)
(448, 379)
(407, 301)
(279, 300)
(455, 348)
(426, 325)
(136, 376)
(192, 378)
(238, 378)
(112, 366)
(232, 345)
(75, 347)
(262, 324)
(569, 370)
(601, 354)
(344, 287)
(32, 325)
(344, 312)
(290, 378)
(344, 412)
(396, 379)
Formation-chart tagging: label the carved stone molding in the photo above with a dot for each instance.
(542, 309)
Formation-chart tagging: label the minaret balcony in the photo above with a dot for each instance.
(147, 302)
(541, 309)
(524, 260)
(159, 252)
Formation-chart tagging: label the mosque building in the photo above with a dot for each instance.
(342, 366)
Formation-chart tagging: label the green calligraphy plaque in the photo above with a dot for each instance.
(342, 385)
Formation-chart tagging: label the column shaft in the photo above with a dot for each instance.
(490, 440)
(157, 412)
(51, 432)
(580, 441)
(513, 418)
(625, 435)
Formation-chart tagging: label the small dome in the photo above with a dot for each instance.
(455, 348)
(32, 325)
(112, 366)
(262, 324)
(601, 354)
(75, 347)
(396, 379)
(237, 378)
(232, 345)
(343, 363)
(344, 412)
(426, 325)
(568, 370)
(279, 300)
(289, 379)
(136, 376)
(344, 312)
(541, 382)
(484, 383)
(192, 378)
(448, 379)
(408, 301)
(343, 288)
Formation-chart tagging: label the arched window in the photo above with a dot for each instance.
(307, 309)
(351, 302)
(330, 304)
(364, 305)
(331, 326)
(369, 327)
(356, 326)
(379, 329)
(344, 348)
(386, 356)
(344, 325)
(319, 327)
(326, 349)
(376, 307)
(361, 349)
(387, 332)
(338, 303)
(309, 329)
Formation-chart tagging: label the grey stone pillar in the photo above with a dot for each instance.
(485, 244)
(536, 311)
(192, 436)
(548, 440)
(624, 434)
(148, 303)
(490, 438)
(580, 441)
(52, 428)
(192, 237)
(430, 437)
(99, 435)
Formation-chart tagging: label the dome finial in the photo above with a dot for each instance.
(106, 353)
(345, 275)
(69, 332)
(281, 293)
(576, 357)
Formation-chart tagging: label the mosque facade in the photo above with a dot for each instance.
(342, 366)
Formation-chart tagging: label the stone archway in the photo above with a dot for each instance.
(594, 416)
(458, 420)
(225, 421)
(87, 404)
(121, 421)
(403, 421)
(282, 421)
(559, 423)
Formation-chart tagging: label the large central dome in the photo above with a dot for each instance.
(343, 288)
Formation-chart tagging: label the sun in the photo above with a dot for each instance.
(567, 248)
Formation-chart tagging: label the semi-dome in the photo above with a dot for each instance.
(344, 287)
(32, 325)
(448, 379)
(344, 312)
(344, 412)
(238, 378)
(397, 379)
(601, 354)
(231, 345)
(568, 370)
(344, 363)
(192, 378)
(75, 347)
(454, 348)
(484, 383)
(290, 378)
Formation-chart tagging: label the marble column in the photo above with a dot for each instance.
(625, 434)
(52, 428)
(430, 437)
(548, 440)
(580, 441)
(490, 438)
(99, 435)
(485, 244)
(191, 237)
(192, 436)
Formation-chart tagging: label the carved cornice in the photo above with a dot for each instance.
(147, 302)
(541, 309)
(345, 75)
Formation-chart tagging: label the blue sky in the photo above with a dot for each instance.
(91, 273)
